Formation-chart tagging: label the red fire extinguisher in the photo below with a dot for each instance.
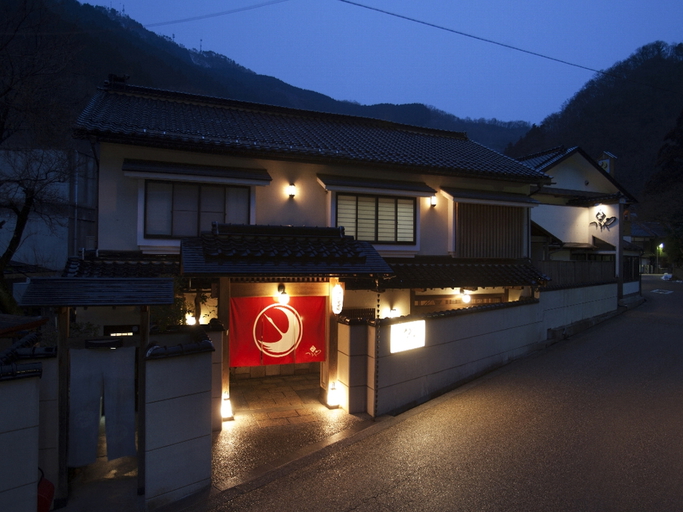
(46, 492)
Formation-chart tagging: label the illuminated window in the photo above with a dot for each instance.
(185, 209)
(379, 219)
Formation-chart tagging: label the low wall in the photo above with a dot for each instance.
(19, 434)
(569, 306)
(631, 288)
(178, 426)
(459, 346)
(48, 446)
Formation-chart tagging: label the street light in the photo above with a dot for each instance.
(659, 248)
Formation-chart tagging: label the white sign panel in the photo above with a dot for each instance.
(407, 336)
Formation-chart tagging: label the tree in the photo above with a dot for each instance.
(32, 185)
(34, 53)
(664, 191)
(34, 163)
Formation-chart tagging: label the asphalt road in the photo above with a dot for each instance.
(594, 423)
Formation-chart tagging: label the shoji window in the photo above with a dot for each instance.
(379, 219)
(185, 209)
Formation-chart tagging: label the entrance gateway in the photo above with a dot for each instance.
(278, 290)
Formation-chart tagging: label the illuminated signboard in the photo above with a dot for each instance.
(407, 336)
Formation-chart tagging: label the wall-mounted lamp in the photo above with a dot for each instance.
(432, 201)
(282, 296)
(394, 313)
(291, 190)
(190, 319)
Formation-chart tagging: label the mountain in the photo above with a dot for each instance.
(626, 110)
(108, 42)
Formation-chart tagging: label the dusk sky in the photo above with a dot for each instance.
(354, 53)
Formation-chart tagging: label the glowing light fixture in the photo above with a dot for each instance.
(190, 319)
(466, 298)
(282, 296)
(291, 190)
(333, 396)
(407, 336)
(394, 313)
(337, 299)
(226, 408)
(432, 201)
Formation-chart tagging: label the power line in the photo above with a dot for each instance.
(215, 14)
(471, 36)
(504, 45)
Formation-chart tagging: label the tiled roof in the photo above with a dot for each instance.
(547, 158)
(78, 291)
(242, 250)
(580, 197)
(151, 117)
(447, 272)
(122, 265)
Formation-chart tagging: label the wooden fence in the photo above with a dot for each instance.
(575, 273)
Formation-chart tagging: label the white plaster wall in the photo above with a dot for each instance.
(461, 347)
(48, 446)
(575, 171)
(121, 209)
(631, 287)
(568, 223)
(610, 234)
(568, 306)
(178, 429)
(352, 369)
(216, 338)
(19, 441)
(456, 348)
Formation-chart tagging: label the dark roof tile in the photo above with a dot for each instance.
(123, 265)
(242, 250)
(138, 115)
(447, 272)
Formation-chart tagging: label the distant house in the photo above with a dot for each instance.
(582, 218)
(650, 238)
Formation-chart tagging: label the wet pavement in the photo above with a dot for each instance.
(277, 421)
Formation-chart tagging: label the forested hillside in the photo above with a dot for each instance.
(627, 110)
(104, 41)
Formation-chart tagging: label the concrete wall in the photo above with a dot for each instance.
(572, 305)
(48, 445)
(178, 427)
(19, 434)
(631, 287)
(352, 367)
(216, 338)
(458, 347)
